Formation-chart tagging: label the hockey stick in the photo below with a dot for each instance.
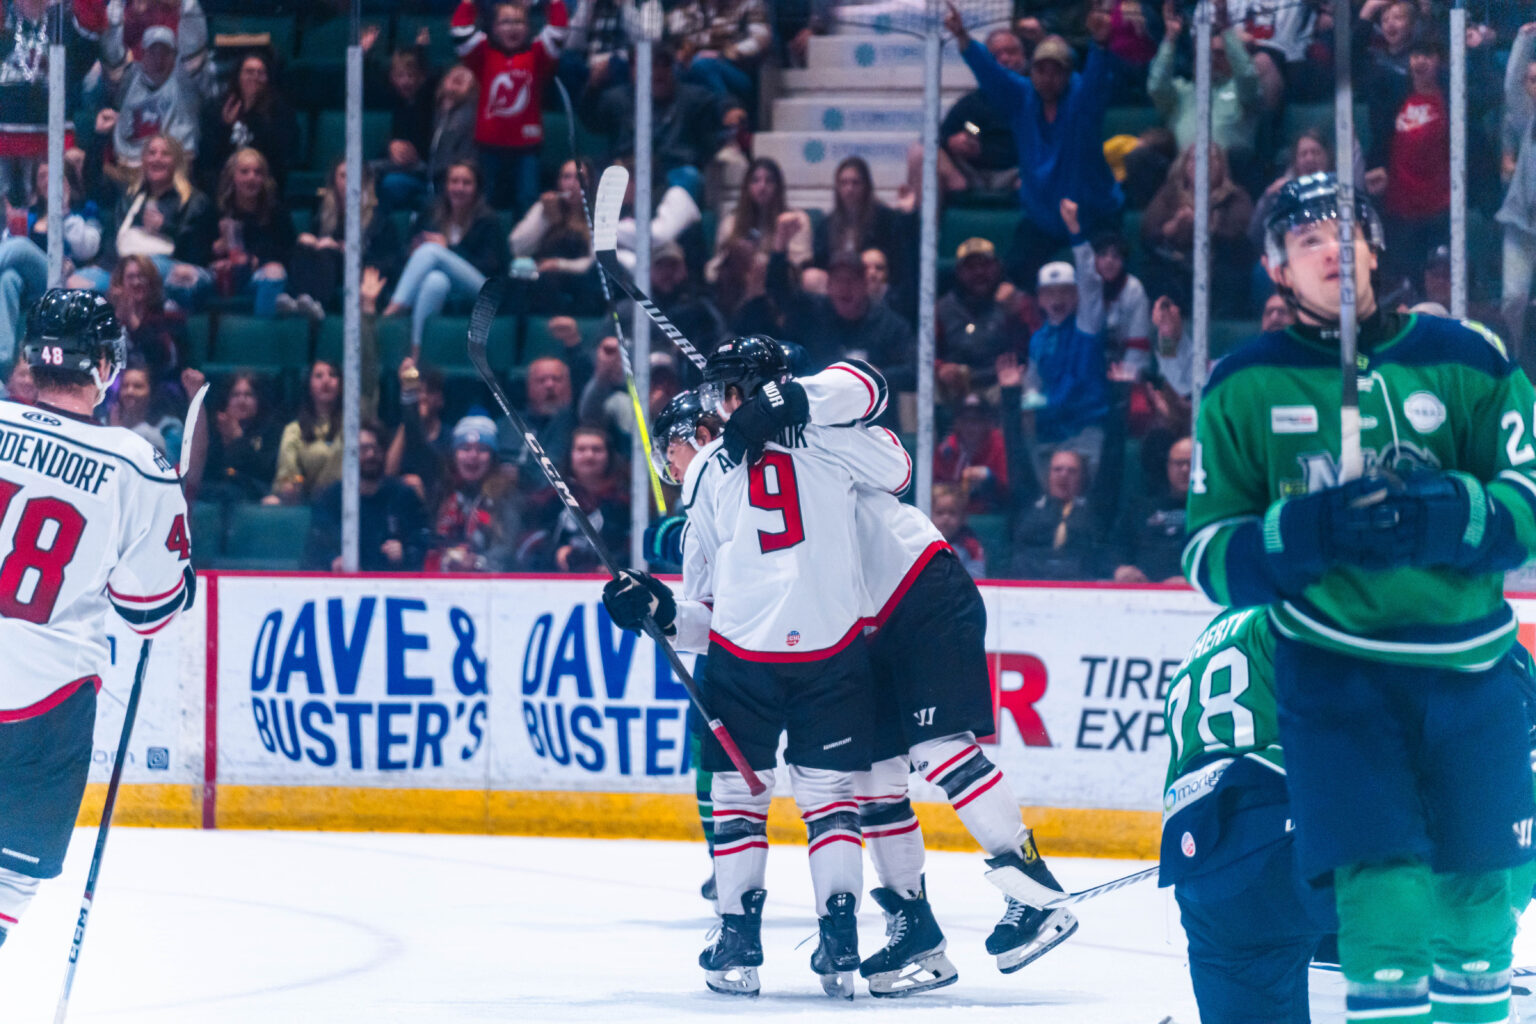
(605, 243)
(101, 831)
(1099, 890)
(618, 328)
(486, 305)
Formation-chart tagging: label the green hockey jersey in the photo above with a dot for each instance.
(1433, 392)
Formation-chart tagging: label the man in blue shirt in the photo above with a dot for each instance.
(1057, 117)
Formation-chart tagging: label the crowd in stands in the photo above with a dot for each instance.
(205, 194)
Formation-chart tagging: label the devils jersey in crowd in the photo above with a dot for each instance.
(773, 548)
(92, 519)
(510, 83)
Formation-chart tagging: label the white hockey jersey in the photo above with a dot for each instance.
(771, 555)
(92, 519)
(895, 540)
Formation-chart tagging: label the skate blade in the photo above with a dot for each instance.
(1058, 928)
(838, 986)
(930, 971)
(733, 981)
(1023, 888)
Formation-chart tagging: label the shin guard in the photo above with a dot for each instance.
(831, 815)
(976, 789)
(891, 831)
(741, 837)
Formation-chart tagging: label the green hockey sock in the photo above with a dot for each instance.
(1475, 916)
(1384, 940)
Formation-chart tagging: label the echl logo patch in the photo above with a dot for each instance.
(793, 637)
(1187, 845)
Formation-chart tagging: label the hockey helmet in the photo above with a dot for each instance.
(74, 329)
(796, 358)
(747, 363)
(679, 420)
(1309, 199)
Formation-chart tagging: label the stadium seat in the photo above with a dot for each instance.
(331, 137)
(1300, 116)
(207, 519)
(960, 223)
(444, 342)
(538, 342)
(264, 536)
(263, 343)
(196, 351)
(996, 541)
(247, 30)
(1130, 120)
(1225, 335)
(440, 50)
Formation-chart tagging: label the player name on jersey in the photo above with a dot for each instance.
(56, 459)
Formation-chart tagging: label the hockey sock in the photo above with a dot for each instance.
(976, 789)
(16, 891)
(741, 837)
(701, 787)
(1474, 937)
(1386, 918)
(831, 815)
(891, 831)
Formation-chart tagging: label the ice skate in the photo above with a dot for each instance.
(1023, 876)
(1026, 933)
(731, 963)
(837, 954)
(913, 959)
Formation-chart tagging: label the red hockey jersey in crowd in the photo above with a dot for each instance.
(511, 84)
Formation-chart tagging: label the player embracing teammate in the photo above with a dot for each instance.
(768, 542)
(1400, 715)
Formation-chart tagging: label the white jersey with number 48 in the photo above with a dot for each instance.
(92, 520)
(773, 548)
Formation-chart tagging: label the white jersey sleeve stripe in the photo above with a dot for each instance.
(118, 598)
(906, 480)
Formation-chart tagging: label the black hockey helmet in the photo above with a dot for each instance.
(747, 362)
(74, 329)
(796, 357)
(1312, 198)
(679, 420)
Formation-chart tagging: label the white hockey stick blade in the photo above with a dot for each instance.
(189, 429)
(607, 207)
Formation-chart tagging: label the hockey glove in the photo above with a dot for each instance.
(762, 417)
(1460, 525)
(632, 596)
(1355, 523)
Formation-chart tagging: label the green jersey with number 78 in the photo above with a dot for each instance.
(1434, 393)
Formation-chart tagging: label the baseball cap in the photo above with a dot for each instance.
(976, 247)
(668, 251)
(1054, 48)
(474, 429)
(1058, 272)
(163, 34)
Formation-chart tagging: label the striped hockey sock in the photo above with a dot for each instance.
(831, 816)
(16, 891)
(1405, 1002)
(891, 831)
(1464, 997)
(741, 837)
(976, 789)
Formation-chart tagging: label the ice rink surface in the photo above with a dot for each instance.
(247, 927)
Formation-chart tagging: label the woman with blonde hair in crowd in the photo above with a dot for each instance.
(256, 233)
(314, 283)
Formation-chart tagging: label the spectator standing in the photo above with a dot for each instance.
(754, 224)
(242, 447)
(974, 459)
(156, 336)
(479, 516)
(977, 150)
(1150, 536)
(554, 234)
(183, 17)
(1310, 155)
(949, 518)
(162, 216)
(153, 95)
(1168, 233)
(550, 412)
(82, 221)
(252, 115)
(509, 127)
(1056, 537)
(1111, 295)
(1236, 100)
(453, 123)
(319, 256)
(1277, 34)
(256, 235)
(309, 453)
(1058, 124)
(1067, 359)
(404, 87)
(391, 524)
(1410, 164)
(458, 244)
(976, 321)
(844, 321)
(24, 82)
(596, 53)
(720, 44)
(1518, 212)
(599, 480)
(421, 447)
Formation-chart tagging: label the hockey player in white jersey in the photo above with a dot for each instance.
(773, 590)
(92, 520)
(934, 694)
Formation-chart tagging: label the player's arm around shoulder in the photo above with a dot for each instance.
(873, 456)
(848, 392)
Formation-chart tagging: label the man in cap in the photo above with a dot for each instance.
(1057, 118)
(976, 319)
(1067, 359)
(153, 96)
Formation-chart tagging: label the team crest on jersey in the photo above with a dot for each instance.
(1319, 470)
(793, 637)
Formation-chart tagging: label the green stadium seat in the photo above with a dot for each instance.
(264, 536)
(196, 352)
(539, 343)
(207, 533)
(1130, 120)
(331, 137)
(327, 41)
(444, 343)
(960, 223)
(235, 28)
(262, 342)
(1300, 116)
(439, 50)
(1225, 335)
(996, 542)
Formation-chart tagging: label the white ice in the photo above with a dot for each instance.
(237, 927)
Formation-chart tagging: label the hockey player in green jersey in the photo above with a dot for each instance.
(1401, 718)
(1252, 922)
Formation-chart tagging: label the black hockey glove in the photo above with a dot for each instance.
(761, 418)
(1460, 525)
(631, 596)
(1360, 523)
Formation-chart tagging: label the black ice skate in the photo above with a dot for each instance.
(731, 963)
(1022, 874)
(837, 954)
(1026, 933)
(913, 958)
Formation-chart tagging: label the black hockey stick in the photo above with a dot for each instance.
(101, 830)
(605, 242)
(480, 318)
